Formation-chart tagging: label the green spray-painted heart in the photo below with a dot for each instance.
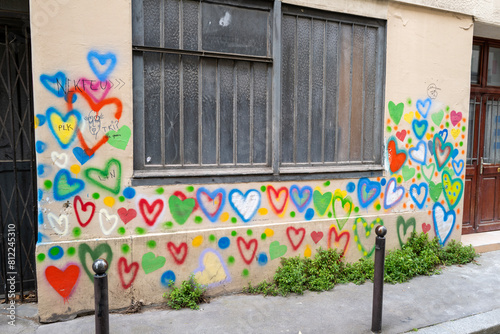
(403, 227)
(437, 117)
(120, 138)
(347, 210)
(361, 222)
(396, 111)
(428, 171)
(181, 209)
(109, 178)
(322, 201)
(151, 262)
(408, 172)
(435, 190)
(276, 250)
(449, 171)
(83, 249)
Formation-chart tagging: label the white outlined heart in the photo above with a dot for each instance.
(106, 219)
(59, 224)
(59, 159)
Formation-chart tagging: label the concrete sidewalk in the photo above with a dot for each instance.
(462, 299)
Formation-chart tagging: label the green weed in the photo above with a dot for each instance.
(189, 295)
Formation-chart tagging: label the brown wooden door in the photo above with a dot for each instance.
(482, 180)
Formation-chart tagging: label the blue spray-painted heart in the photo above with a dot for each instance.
(65, 186)
(444, 134)
(416, 192)
(368, 191)
(107, 63)
(54, 83)
(81, 156)
(423, 107)
(458, 166)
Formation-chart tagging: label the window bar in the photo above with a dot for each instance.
(274, 116)
(481, 111)
(323, 102)
(495, 134)
(200, 112)
(217, 114)
(162, 85)
(309, 106)
(339, 57)
(362, 157)
(295, 92)
(181, 110)
(235, 113)
(252, 79)
(350, 92)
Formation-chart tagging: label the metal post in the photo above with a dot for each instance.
(101, 296)
(378, 278)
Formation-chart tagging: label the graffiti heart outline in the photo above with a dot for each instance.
(423, 107)
(442, 152)
(419, 152)
(95, 253)
(278, 199)
(58, 79)
(217, 198)
(295, 236)
(368, 191)
(458, 166)
(210, 255)
(65, 186)
(368, 228)
(301, 197)
(64, 127)
(96, 175)
(443, 222)
(252, 243)
(179, 253)
(106, 219)
(125, 268)
(245, 205)
(452, 189)
(393, 193)
(60, 224)
(403, 225)
(103, 60)
(336, 240)
(416, 191)
(151, 213)
(80, 206)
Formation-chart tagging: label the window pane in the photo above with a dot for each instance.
(171, 108)
(226, 69)
(494, 67)
(234, 30)
(152, 107)
(243, 112)
(190, 112)
(474, 71)
(209, 112)
(288, 87)
(492, 132)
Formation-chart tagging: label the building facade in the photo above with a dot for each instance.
(212, 138)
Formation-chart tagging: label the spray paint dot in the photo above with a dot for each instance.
(408, 102)
(40, 194)
(399, 179)
(56, 252)
(121, 199)
(189, 189)
(167, 278)
(129, 192)
(212, 238)
(326, 184)
(245, 272)
(230, 260)
(140, 230)
(329, 214)
(447, 108)
(409, 140)
(234, 233)
(356, 209)
(249, 232)
(71, 251)
(263, 188)
(47, 184)
(224, 242)
(168, 225)
(351, 187)
(263, 236)
(96, 195)
(125, 249)
(121, 230)
(378, 207)
(447, 124)
(198, 219)
(419, 176)
(463, 128)
(432, 129)
(389, 129)
(151, 244)
(262, 259)
(40, 257)
(383, 182)
(234, 220)
(309, 214)
(461, 143)
(292, 214)
(77, 232)
(160, 191)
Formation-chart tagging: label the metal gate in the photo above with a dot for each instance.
(18, 224)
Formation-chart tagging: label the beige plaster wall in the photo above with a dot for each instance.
(88, 209)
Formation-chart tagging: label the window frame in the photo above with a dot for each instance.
(274, 172)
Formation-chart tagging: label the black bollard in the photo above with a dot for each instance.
(101, 296)
(378, 278)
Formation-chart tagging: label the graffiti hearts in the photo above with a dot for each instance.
(458, 166)
(316, 236)
(131, 270)
(393, 194)
(108, 178)
(181, 209)
(59, 224)
(442, 152)
(396, 111)
(403, 227)
(423, 107)
(443, 222)
(342, 213)
(101, 64)
(81, 208)
(419, 194)
(277, 198)
(120, 138)
(455, 117)
(126, 215)
(64, 128)
(322, 201)
(95, 253)
(419, 128)
(301, 197)
(276, 250)
(151, 212)
(63, 281)
(151, 262)
(334, 239)
(211, 203)
(401, 135)
(212, 270)
(396, 158)
(245, 205)
(419, 153)
(452, 189)
(54, 83)
(178, 253)
(65, 186)
(295, 236)
(368, 191)
(108, 222)
(359, 222)
(247, 249)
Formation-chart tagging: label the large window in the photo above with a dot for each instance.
(242, 88)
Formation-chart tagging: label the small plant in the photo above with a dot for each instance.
(189, 294)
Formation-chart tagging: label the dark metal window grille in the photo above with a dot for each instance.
(17, 164)
(292, 91)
